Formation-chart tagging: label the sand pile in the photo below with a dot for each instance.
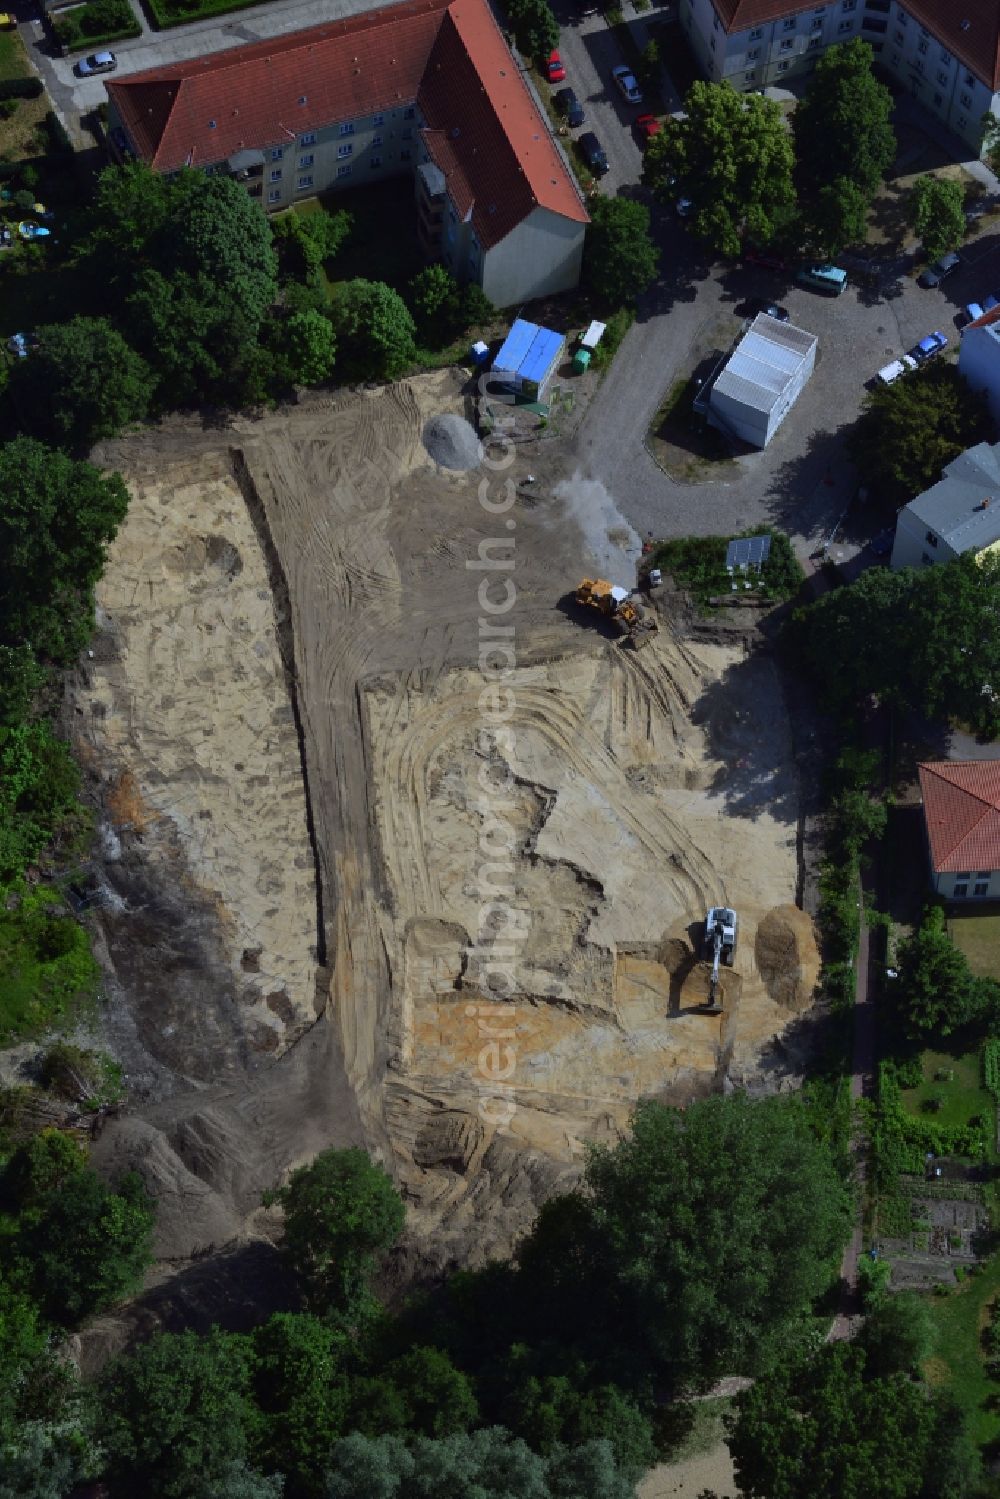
(451, 442)
(787, 957)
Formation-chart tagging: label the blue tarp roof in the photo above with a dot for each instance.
(528, 351)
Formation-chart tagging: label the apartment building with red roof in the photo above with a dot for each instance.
(427, 90)
(962, 819)
(946, 53)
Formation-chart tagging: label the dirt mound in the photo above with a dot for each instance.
(787, 957)
(451, 441)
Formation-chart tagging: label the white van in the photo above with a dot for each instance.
(901, 366)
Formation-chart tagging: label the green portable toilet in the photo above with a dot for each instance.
(580, 361)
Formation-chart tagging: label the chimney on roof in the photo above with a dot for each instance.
(985, 504)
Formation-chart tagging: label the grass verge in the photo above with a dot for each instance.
(48, 971)
(951, 1091)
(959, 1319)
(977, 934)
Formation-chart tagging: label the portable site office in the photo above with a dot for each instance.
(528, 359)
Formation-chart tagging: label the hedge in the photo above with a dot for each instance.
(20, 88)
(97, 22)
(167, 13)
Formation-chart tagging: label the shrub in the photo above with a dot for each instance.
(20, 88)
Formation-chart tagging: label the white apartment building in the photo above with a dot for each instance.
(945, 52)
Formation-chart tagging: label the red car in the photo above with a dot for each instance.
(554, 70)
(646, 126)
(762, 257)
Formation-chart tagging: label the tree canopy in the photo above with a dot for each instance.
(732, 157)
(837, 1427)
(696, 1244)
(937, 213)
(81, 384)
(927, 640)
(936, 992)
(620, 260)
(375, 330)
(341, 1213)
(909, 430)
(842, 126)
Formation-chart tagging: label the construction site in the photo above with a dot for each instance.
(361, 710)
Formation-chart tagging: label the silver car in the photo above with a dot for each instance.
(626, 84)
(97, 62)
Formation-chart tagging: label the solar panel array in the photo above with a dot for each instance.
(747, 551)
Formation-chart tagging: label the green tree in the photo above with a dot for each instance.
(375, 329)
(991, 141)
(937, 213)
(38, 1462)
(552, 1412)
(952, 642)
(82, 383)
(699, 1242)
(910, 430)
(835, 216)
(21, 680)
(536, 30)
(437, 1398)
(56, 518)
(39, 782)
(341, 1213)
(238, 1481)
(934, 992)
(309, 347)
(433, 299)
(897, 1336)
(833, 1429)
(175, 1413)
(620, 259)
(731, 155)
(300, 1390)
(841, 127)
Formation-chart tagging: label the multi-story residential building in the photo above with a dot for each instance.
(427, 89)
(945, 52)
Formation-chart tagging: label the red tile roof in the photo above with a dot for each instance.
(265, 94)
(485, 131)
(969, 29)
(962, 813)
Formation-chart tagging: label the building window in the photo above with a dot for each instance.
(378, 119)
(277, 153)
(922, 48)
(965, 100)
(926, 558)
(960, 122)
(942, 78)
(405, 155)
(877, 26)
(815, 26)
(787, 46)
(918, 66)
(749, 77)
(963, 874)
(304, 182)
(783, 67)
(788, 25)
(982, 888)
(945, 56)
(376, 140)
(307, 160)
(898, 38)
(969, 81)
(409, 114)
(275, 174)
(343, 172)
(846, 26)
(344, 151)
(894, 58)
(756, 33)
(881, 6)
(711, 43)
(814, 41)
(375, 161)
(753, 54)
(848, 4)
(961, 891)
(938, 100)
(931, 539)
(274, 195)
(309, 139)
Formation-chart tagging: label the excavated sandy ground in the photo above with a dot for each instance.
(316, 560)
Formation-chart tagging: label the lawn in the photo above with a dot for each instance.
(382, 245)
(960, 1089)
(46, 966)
(13, 61)
(957, 1362)
(978, 936)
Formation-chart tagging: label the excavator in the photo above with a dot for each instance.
(636, 620)
(722, 926)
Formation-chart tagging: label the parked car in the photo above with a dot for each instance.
(757, 305)
(684, 207)
(626, 84)
(554, 70)
(972, 310)
(7, 21)
(936, 273)
(593, 153)
(881, 544)
(97, 62)
(764, 258)
(646, 127)
(890, 372)
(569, 107)
(928, 347)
